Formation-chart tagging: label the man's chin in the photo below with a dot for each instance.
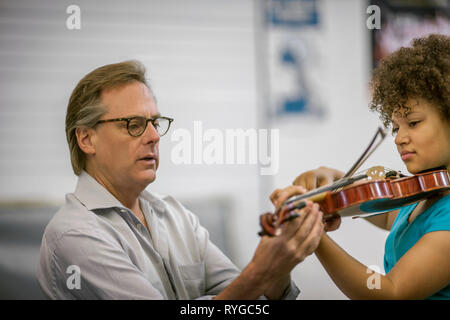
(150, 176)
(144, 177)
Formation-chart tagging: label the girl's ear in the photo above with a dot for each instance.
(86, 139)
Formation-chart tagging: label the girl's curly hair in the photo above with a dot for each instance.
(419, 71)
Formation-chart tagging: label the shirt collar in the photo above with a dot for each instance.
(155, 200)
(94, 196)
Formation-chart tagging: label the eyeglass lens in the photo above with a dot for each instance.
(137, 125)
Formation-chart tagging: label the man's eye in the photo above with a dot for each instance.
(413, 123)
(136, 123)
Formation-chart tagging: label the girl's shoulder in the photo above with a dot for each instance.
(438, 215)
(442, 204)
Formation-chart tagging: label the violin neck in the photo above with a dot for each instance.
(336, 185)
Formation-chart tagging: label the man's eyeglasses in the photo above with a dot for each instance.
(137, 125)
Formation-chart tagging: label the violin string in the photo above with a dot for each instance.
(361, 174)
(330, 187)
(335, 186)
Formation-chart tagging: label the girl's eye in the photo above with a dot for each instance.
(412, 124)
(394, 131)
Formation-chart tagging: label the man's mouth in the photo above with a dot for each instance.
(150, 160)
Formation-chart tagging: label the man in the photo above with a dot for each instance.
(123, 242)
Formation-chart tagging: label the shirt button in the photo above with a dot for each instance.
(123, 210)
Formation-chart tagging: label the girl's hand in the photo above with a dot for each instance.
(332, 222)
(318, 177)
(279, 196)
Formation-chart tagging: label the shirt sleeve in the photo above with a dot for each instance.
(104, 270)
(291, 292)
(439, 219)
(220, 270)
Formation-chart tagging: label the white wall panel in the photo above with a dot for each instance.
(200, 60)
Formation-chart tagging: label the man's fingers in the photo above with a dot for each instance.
(289, 228)
(304, 230)
(311, 243)
(305, 239)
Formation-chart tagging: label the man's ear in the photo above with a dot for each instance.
(86, 139)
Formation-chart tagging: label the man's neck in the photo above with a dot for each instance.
(130, 200)
(128, 197)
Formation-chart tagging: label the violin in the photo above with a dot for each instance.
(372, 192)
(376, 191)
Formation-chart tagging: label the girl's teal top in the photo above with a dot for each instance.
(404, 235)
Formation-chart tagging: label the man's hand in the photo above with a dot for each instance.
(269, 270)
(313, 179)
(277, 256)
(298, 237)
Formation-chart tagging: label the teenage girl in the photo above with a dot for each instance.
(411, 92)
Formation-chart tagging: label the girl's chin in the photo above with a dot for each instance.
(417, 169)
(413, 169)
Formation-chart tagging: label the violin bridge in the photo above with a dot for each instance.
(376, 173)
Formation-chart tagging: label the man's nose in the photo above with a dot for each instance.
(150, 134)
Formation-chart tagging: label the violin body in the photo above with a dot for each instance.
(409, 190)
(352, 200)
(385, 195)
(373, 196)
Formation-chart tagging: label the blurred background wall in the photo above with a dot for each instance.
(213, 61)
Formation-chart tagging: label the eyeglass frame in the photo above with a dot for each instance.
(128, 119)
